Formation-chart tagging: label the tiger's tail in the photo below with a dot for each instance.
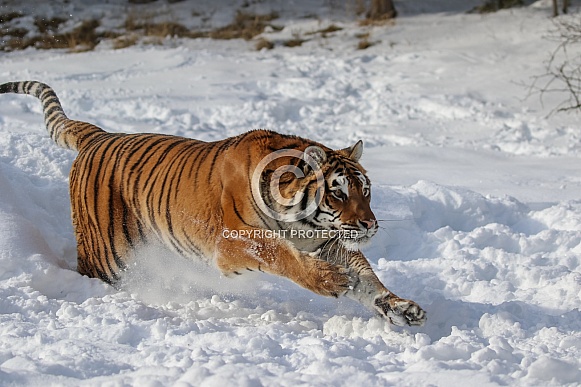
(69, 134)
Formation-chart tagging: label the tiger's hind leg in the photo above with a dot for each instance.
(105, 249)
(106, 231)
(92, 259)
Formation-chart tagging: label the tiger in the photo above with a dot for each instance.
(223, 203)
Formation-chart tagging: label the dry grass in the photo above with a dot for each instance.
(14, 32)
(146, 28)
(295, 42)
(82, 38)
(11, 36)
(495, 5)
(144, 24)
(263, 44)
(48, 25)
(329, 30)
(125, 41)
(364, 41)
(6, 17)
(325, 31)
(364, 44)
(245, 26)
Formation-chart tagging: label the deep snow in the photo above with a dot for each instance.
(479, 190)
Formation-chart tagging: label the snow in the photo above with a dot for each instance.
(477, 187)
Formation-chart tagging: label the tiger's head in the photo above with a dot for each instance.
(324, 189)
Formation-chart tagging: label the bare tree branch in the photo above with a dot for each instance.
(563, 67)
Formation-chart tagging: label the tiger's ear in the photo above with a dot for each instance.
(316, 154)
(354, 152)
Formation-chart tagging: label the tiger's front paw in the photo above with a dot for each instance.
(400, 311)
(329, 280)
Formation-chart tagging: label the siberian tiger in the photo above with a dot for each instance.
(230, 202)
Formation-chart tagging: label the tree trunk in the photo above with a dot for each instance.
(565, 6)
(555, 8)
(381, 9)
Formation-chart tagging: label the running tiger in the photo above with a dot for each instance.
(206, 200)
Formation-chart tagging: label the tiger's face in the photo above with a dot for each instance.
(345, 206)
(336, 182)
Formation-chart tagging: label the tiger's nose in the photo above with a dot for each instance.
(368, 224)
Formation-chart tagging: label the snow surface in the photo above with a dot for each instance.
(479, 190)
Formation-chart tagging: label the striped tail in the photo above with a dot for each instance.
(66, 133)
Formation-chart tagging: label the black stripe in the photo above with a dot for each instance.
(110, 166)
(125, 225)
(150, 192)
(52, 99)
(200, 159)
(107, 260)
(157, 172)
(96, 185)
(239, 215)
(217, 153)
(183, 161)
(193, 247)
(149, 142)
(255, 206)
